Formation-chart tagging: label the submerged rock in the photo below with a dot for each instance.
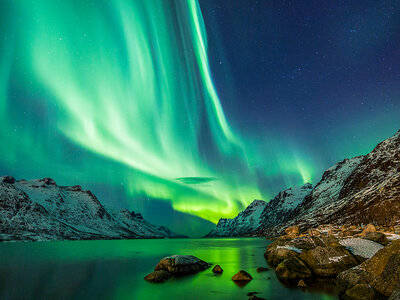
(158, 276)
(182, 264)
(217, 269)
(262, 269)
(328, 261)
(293, 269)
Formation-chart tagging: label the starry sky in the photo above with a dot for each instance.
(188, 110)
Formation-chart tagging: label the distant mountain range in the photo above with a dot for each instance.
(360, 190)
(39, 209)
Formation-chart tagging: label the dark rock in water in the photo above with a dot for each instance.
(302, 284)
(328, 261)
(381, 272)
(293, 269)
(377, 237)
(158, 276)
(254, 297)
(242, 276)
(7, 179)
(182, 264)
(262, 269)
(217, 269)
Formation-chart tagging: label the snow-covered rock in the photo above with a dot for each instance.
(41, 210)
(361, 247)
(244, 224)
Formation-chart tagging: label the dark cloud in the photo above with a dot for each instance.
(195, 180)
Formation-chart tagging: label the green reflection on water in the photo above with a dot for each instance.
(115, 270)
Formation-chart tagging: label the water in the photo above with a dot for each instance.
(115, 270)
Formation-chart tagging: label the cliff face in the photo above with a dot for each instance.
(42, 210)
(360, 190)
(244, 224)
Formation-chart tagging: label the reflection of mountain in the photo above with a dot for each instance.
(360, 190)
(42, 210)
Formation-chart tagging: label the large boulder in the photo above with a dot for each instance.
(328, 261)
(377, 237)
(362, 249)
(280, 250)
(182, 264)
(361, 291)
(293, 269)
(381, 272)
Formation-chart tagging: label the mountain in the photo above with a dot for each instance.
(245, 223)
(355, 191)
(42, 210)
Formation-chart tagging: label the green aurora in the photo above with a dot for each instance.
(121, 93)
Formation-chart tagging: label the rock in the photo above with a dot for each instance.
(314, 232)
(395, 295)
(217, 269)
(292, 231)
(262, 269)
(368, 228)
(7, 179)
(381, 272)
(301, 283)
(377, 237)
(280, 250)
(328, 261)
(182, 264)
(254, 297)
(360, 292)
(242, 276)
(158, 276)
(293, 269)
(48, 181)
(362, 249)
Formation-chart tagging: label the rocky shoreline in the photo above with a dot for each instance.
(364, 261)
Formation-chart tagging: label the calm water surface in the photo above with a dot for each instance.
(115, 270)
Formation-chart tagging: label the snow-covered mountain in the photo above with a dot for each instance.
(42, 210)
(360, 190)
(245, 223)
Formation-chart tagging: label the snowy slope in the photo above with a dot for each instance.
(281, 208)
(245, 223)
(42, 210)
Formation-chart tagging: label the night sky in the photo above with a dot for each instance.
(187, 111)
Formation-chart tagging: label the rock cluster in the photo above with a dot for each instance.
(364, 267)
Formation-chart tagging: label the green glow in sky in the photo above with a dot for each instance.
(121, 92)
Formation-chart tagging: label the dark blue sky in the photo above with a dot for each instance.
(324, 72)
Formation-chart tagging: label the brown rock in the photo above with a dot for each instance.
(395, 295)
(217, 269)
(368, 228)
(381, 272)
(314, 232)
(328, 261)
(293, 269)
(293, 231)
(242, 276)
(158, 276)
(377, 237)
(301, 283)
(360, 292)
(278, 251)
(182, 264)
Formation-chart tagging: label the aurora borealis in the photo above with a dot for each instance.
(126, 98)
